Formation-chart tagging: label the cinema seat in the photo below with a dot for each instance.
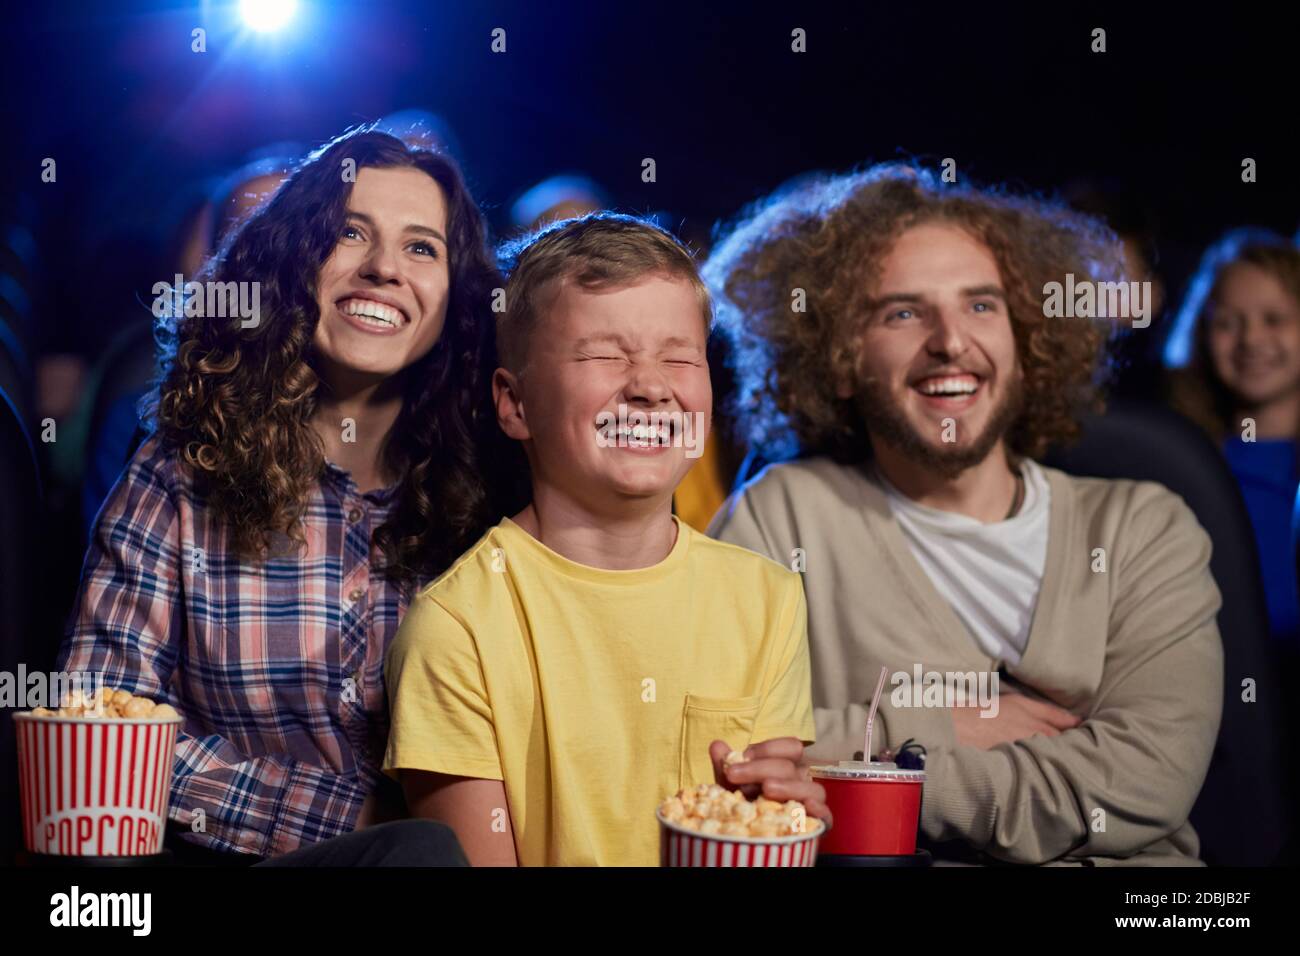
(20, 523)
(1242, 815)
(15, 371)
(118, 380)
(128, 366)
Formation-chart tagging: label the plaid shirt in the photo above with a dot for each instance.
(277, 668)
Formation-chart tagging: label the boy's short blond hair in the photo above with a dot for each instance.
(598, 251)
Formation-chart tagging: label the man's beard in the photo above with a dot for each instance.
(887, 424)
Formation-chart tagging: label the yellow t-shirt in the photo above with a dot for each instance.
(594, 694)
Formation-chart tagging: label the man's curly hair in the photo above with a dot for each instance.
(827, 236)
(235, 404)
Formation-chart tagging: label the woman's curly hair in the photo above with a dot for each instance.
(1195, 389)
(827, 237)
(235, 404)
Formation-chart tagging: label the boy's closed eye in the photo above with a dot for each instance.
(683, 359)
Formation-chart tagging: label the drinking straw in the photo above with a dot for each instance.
(871, 715)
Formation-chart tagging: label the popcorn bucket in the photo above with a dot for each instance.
(97, 786)
(680, 846)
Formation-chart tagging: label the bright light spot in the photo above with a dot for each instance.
(265, 16)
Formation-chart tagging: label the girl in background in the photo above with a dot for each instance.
(1237, 338)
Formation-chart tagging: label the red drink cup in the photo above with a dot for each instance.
(876, 807)
(95, 787)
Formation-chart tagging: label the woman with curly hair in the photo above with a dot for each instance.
(897, 333)
(310, 465)
(1235, 354)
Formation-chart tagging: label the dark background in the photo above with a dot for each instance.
(712, 92)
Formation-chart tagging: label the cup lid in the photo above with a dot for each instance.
(875, 770)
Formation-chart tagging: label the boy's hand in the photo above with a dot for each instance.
(774, 768)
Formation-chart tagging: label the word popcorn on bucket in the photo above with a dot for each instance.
(95, 775)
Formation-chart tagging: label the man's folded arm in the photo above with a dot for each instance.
(1129, 774)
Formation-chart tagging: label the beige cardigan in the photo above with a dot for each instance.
(1134, 650)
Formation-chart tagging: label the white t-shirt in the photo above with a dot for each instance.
(989, 573)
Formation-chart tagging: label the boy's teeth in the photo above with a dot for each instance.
(644, 435)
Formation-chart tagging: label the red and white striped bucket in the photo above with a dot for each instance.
(95, 787)
(679, 846)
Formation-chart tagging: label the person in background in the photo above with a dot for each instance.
(565, 196)
(111, 417)
(1133, 354)
(1234, 354)
(305, 472)
(422, 129)
(236, 196)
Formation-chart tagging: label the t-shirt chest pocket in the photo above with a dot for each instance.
(706, 719)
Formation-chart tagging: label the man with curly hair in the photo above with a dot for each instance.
(892, 332)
